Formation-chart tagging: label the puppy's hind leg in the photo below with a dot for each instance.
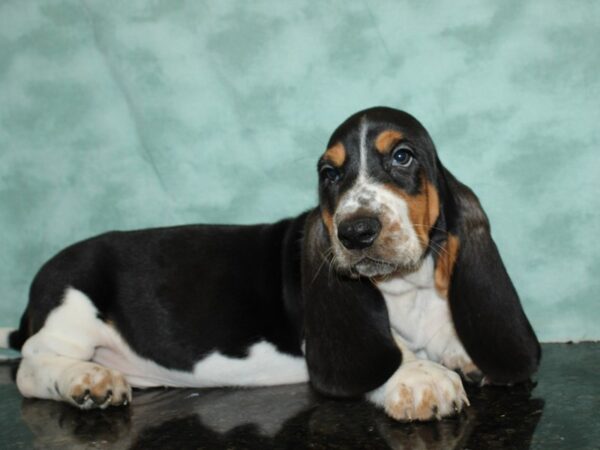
(56, 360)
(83, 384)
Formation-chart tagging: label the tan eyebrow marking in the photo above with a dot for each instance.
(386, 140)
(336, 154)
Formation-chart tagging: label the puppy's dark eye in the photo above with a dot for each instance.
(402, 156)
(330, 173)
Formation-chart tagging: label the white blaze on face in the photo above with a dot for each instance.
(398, 243)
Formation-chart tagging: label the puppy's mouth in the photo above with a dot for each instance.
(379, 269)
(369, 267)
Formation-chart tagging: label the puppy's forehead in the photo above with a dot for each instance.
(377, 129)
(370, 122)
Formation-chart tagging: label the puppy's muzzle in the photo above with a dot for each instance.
(358, 233)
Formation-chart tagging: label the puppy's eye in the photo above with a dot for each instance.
(330, 173)
(402, 156)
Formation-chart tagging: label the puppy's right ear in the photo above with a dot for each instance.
(349, 347)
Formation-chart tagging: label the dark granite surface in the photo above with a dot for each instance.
(562, 411)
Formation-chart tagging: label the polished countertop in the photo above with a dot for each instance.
(559, 409)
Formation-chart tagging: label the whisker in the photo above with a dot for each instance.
(432, 243)
(333, 265)
(325, 257)
(439, 255)
(336, 272)
(439, 248)
(330, 267)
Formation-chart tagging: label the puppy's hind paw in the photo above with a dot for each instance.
(89, 386)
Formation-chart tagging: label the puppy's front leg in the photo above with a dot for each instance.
(420, 390)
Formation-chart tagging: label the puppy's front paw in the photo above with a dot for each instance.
(88, 386)
(423, 390)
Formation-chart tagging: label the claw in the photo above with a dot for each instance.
(465, 399)
(106, 402)
(83, 398)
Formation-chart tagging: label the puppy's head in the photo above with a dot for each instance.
(378, 194)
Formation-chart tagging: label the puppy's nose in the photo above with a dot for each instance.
(358, 233)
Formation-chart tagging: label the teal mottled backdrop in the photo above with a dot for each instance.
(126, 114)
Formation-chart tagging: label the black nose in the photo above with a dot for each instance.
(356, 234)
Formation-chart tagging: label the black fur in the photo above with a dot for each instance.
(176, 294)
(485, 306)
(349, 346)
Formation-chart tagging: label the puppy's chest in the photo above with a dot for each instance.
(416, 310)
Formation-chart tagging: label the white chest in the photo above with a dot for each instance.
(419, 315)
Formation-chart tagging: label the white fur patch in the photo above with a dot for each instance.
(422, 318)
(73, 333)
(362, 170)
(264, 366)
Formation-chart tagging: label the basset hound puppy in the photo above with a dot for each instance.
(387, 290)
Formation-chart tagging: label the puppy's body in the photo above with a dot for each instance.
(396, 259)
(177, 294)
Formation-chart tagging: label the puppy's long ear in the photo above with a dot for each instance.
(485, 306)
(349, 347)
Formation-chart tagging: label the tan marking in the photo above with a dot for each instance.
(78, 389)
(445, 264)
(424, 410)
(328, 221)
(394, 228)
(402, 406)
(100, 389)
(99, 381)
(336, 154)
(386, 140)
(423, 208)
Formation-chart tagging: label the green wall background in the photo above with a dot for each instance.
(118, 115)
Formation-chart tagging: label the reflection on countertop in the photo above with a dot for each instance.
(294, 416)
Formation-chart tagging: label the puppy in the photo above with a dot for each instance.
(385, 290)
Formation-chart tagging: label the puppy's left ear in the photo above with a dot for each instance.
(486, 310)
